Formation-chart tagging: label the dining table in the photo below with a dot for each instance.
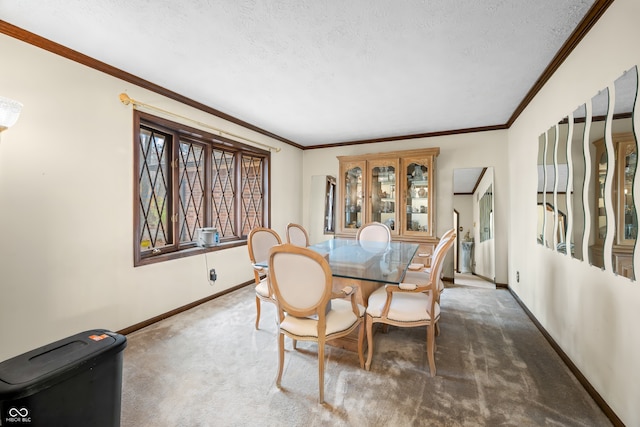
(366, 264)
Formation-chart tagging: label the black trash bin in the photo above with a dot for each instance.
(74, 382)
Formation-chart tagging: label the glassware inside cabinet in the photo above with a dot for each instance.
(375, 188)
(383, 195)
(417, 198)
(353, 198)
(630, 217)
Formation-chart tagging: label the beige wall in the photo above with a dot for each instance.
(593, 315)
(66, 182)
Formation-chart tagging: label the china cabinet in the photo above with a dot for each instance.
(394, 188)
(626, 219)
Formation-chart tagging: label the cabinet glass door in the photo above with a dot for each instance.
(628, 219)
(418, 197)
(353, 191)
(383, 204)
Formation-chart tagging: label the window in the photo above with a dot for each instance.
(187, 179)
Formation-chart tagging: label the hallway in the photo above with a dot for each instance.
(468, 279)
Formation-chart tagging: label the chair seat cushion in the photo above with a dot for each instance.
(262, 288)
(340, 318)
(405, 306)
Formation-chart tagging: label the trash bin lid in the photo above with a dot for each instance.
(60, 356)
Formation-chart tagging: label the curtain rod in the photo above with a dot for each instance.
(126, 100)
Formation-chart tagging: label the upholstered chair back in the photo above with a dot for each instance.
(301, 280)
(260, 240)
(374, 231)
(297, 235)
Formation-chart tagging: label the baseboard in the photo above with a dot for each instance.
(572, 367)
(168, 314)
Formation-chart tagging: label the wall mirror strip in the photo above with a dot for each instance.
(588, 188)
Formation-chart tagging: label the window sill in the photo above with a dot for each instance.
(153, 259)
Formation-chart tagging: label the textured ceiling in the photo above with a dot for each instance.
(323, 72)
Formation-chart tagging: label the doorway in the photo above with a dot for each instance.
(473, 207)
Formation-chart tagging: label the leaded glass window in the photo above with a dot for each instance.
(186, 180)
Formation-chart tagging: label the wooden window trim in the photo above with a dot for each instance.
(212, 141)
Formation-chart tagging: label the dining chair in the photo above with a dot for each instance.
(259, 241)
(297, 235)
(409, 305)
(421, 277)
(308, 309)
(374, 231)
(447, 234)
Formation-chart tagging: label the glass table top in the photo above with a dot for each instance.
(363, 260)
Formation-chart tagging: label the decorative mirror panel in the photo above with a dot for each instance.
(588, 189)
(577, 172)
(542, 146)
(560, 190)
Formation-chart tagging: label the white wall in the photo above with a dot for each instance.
(456, 151)
(593, 315)
(66, 182)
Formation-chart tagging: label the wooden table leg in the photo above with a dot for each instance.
(365, 288)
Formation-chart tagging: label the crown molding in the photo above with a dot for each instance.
(590, 19)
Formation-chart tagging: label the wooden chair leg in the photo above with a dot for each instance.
(431, 349)
(321, 369)
(361, 343)
(435, 345)
(280, 357)
(369, 325)
(257, 312)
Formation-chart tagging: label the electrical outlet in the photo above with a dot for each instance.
(518, 276)
(212, 275)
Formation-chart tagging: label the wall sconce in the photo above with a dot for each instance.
(9, 112)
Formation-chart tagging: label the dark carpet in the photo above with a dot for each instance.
(210, 367)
